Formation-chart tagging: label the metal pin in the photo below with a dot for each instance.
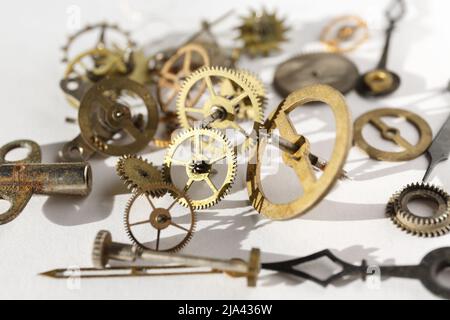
(106, 250)
(284, 145)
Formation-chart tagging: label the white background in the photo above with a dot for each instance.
(55, 232)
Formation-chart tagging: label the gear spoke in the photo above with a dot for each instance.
(157, 239)
(150, 201)
(211, 185)
(210, 86)
(239, 98)
(187, 62)
(139, 223)
(176, 225)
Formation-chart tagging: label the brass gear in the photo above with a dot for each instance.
(200, 165)
(137, 173)
(181, 64)
(437, 225)
(250, 93)
(103, 27)
(244, 111)
(160, 218)
(262, 33)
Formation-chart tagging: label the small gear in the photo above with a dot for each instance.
(437, 225)
(160, 219)
(137, 173)
(218, 99)
(209, 147)
(262, 33)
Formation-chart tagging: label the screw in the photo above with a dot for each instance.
(105, 250)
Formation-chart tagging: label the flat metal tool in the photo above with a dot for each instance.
(439, 149)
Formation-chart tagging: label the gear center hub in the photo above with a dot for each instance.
(160, 218)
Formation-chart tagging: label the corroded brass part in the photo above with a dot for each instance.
(105, 250)
(345, 34)
(393, 134)
(19, 180)
(314, 189)
(161, 218)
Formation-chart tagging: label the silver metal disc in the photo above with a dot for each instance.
(316, 68)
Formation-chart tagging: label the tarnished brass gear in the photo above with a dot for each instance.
(102, 41)
(137, 173)
(314, 188)
(213, 99)
(262, 33)
(175, 70)
(436, 225)
(161, 218)
(209, 147)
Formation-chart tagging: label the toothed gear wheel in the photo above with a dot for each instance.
(262, 33)
(99, 254)
(217, 97)
(434, 226)
(161, 219)
(210, 152)
(137, 173)
(103, 28)
(244, 111)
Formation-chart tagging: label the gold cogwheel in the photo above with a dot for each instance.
(137, 173)
(140, 223)
(215, 100)
(436, 225)
(201, 153)
(244, 110)
(262, 33)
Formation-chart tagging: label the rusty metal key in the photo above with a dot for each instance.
(19, 180)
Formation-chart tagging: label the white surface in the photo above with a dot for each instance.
(56, 233)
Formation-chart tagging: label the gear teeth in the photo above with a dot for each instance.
(128, 169)
(434, 226)
(231, 164)
(176, 194)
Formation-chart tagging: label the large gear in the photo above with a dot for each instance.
(262, 33)
(137, 173)
(210, 147)
(161, 218)
(436, 225)
(219, 99)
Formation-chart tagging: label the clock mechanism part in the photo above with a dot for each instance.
(152, 221)
(103, 35)
(20, 180)
(438, 223)
(381, 81)
(106, 252)
(199, 156)
(137, 173)
(328, 68)
(299, 158)
(261, 33)
(345, 34)
(237, 94)
(392, 134)
(117, 116)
